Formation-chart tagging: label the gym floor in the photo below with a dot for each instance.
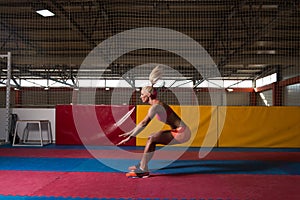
(74, 173)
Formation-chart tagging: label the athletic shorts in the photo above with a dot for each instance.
(181, 134)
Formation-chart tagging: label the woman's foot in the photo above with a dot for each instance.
(134, 167)
(137, 166)
(138, 173)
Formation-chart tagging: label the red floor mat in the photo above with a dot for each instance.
(116, 185)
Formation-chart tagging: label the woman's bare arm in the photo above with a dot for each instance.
(140, 127)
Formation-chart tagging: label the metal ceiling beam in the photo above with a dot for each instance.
(284, 10)
(47, 76)
(59, 10)
(15, 81)
(221, 35)
(130, 80)
(12, 31)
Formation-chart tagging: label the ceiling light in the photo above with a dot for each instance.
(266, 52)
(270, 6)
(266, 6)
(45, 13)
(257, 65)
(248, 70)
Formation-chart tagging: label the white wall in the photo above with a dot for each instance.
(30, 114)
(292, 95)
(2, 124)
(237, 99)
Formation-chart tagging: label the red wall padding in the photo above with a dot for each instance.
(94, 124)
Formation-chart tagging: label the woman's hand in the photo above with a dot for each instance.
(125, 134)
(128, 137)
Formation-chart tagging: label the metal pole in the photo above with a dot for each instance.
(8, 87)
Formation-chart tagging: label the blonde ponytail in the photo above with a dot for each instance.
(156, 74)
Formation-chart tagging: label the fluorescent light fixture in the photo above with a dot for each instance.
(248, 70)
(270, 6)
(15, 70)
(265, 6)
(257, 65)
(45, 13)
(266, 52)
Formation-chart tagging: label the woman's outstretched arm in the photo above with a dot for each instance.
(140, 127)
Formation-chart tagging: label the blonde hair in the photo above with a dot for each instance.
(154, 76)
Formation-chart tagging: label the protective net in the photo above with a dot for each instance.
(254, 46)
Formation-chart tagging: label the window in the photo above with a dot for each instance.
(266, 80)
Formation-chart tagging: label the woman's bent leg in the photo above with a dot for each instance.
(162, 137)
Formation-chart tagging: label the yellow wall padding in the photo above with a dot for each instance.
(202, 121)
(259, 126)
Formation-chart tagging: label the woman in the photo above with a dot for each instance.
(179, 132)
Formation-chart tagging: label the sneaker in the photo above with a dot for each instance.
(134, 167)
(138, 173)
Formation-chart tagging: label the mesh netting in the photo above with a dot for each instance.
(254, 45)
